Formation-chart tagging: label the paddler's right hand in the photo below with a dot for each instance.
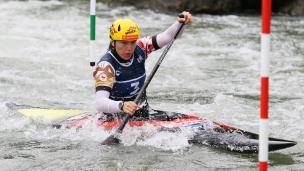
(130, 107)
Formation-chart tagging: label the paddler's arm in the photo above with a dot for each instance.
(103, 75)
(165, 37)
(104, 104)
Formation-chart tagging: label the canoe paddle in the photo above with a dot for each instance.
(113, 139)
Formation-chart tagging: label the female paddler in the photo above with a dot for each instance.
(120, 74)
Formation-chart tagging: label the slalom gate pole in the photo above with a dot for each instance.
(92, 31)
(264, 99)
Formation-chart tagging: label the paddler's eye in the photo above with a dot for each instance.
(124, 42)
(133, 42)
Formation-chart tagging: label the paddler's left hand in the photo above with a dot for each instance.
(188, 18)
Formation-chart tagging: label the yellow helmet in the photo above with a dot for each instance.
(124, 29)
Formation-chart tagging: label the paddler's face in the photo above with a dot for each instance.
(124, 48)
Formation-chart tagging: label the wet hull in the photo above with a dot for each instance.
(207, 132)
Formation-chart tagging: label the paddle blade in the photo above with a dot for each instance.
(111, 140)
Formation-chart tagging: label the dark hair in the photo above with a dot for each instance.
(111, 46)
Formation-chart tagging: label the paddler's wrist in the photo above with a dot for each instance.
(120, 105)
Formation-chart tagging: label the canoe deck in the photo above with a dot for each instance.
(207, 132)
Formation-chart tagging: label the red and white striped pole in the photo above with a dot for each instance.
(264, 99)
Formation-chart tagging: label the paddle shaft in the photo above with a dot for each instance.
(161, 58)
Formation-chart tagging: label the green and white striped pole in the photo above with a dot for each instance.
(92, 31)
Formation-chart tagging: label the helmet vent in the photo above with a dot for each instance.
(119, 28)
